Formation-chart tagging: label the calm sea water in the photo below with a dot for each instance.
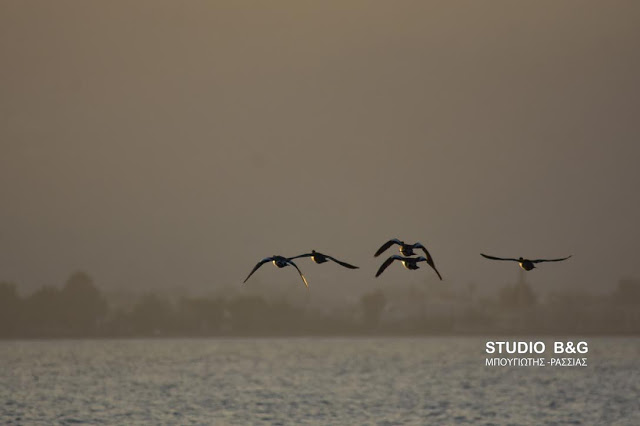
(383, 381)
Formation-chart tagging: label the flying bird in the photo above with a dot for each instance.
(280, 262)
(525, 264)
(405, 249)
(410, 263)
(322, 258)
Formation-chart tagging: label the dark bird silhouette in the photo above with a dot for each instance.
(525, 264)
(280, 262)
(405, 249)
(322, 258)
(410, 263)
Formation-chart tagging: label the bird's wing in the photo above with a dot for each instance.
(345, 264)
(386, 263)
(498, 258)
(301, 255)
(259, 264)
(420, 246)
(429, 259)
(550, 260)
(387, 245)
(301, 275)
(433, 265)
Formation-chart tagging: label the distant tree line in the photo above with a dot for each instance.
(80, 309)
(76, 309)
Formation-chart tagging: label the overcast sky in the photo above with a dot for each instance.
(163, 143)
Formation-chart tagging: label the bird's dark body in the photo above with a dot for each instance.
(280, 261)
(406, 250)
(526, 264)
(319, 258)
(410, 265)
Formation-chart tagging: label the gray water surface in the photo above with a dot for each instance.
(384, 381)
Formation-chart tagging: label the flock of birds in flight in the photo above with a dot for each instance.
(405, 249)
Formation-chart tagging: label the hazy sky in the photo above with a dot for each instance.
(178, 143)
